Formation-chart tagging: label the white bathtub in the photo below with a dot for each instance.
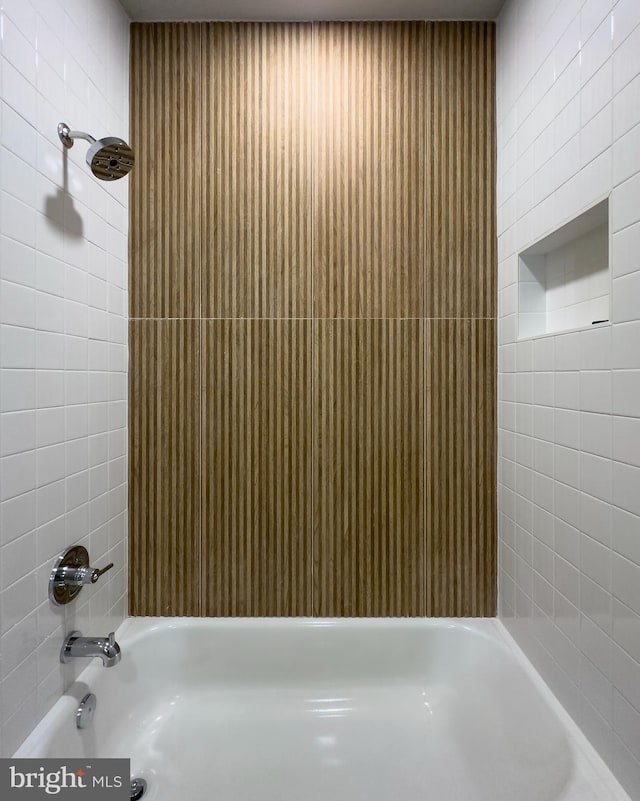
(331, 710)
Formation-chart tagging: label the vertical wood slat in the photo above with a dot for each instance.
(164, 495)
(369, 195)
(165, 192)
(461, 477)
(257, 107)
(460, 170)
(369, 466)
(256, 473)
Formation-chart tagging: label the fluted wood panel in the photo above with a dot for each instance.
(461, 473)
(257, 109)
(165, 203)
(369, 467)
(369, 170)
(312, 194)
(164, 499)
(460, 170)
(256, 467)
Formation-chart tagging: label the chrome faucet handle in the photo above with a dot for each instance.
(112, 635)
(95, 574)
(78, 576)
(70, 574)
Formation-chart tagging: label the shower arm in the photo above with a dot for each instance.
(67, 135)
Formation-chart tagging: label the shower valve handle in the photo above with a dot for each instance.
(71, 572)
(95, 575)
(79, 576)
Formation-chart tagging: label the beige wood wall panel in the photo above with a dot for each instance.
(460, 178)
(369, 468)
(256, 467)
(311, 194)
(369, 170)
(165, 186)
(164, 495)
(461, 474)
(257, 107)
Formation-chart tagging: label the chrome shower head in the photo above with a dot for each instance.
(109, 158)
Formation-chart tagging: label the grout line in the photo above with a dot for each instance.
(308, 319)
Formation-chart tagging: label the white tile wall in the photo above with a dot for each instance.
(63, 348)
(569, 134)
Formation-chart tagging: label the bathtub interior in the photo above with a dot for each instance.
(353, 710)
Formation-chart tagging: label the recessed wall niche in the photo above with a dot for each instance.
(564, 279)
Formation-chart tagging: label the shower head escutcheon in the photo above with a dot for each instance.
(109, 158)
